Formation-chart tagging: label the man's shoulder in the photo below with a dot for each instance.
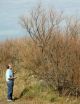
(8, 70)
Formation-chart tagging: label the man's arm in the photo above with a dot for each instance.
(12, 78)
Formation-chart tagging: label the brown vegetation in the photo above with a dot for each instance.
(56, 54)
(53, 54)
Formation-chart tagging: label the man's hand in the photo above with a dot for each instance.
(15, 77)
(14, 72)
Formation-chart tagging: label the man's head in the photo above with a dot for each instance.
(9, 66)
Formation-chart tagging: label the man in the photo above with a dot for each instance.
(10, 81)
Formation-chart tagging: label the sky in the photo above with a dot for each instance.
(12, 10)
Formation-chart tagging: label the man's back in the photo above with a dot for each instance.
(9, 74)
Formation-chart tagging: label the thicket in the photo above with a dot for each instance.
(53, 52)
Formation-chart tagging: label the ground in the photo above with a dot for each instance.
(33, 94)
